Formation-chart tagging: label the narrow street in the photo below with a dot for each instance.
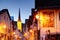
(29, 19)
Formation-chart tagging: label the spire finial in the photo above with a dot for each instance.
(19, 18)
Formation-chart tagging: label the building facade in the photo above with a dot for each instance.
(49, 18)
(5, 25)
(48, 21)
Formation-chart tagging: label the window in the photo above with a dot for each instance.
(47, 19)
(59, 16)
(0, 18)
(4, 17)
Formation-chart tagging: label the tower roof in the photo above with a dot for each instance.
(19, 17)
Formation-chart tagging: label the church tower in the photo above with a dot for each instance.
(19, 23)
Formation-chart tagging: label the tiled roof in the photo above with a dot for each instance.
(5, 10)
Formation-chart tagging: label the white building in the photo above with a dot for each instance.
(49, 18)
(48, 22)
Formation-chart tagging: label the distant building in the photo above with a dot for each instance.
(15, 25)
(12, 18)
(12, 22)
(23, 27)
(27, 23)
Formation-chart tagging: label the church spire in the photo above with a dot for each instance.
(19, 17)
(19, 23)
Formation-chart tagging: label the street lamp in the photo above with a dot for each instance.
(2, 31)
(38, 20)
(14, 33)
(15, 36)
(31, 31)
(5, 30)
(26, 35)
(37, 16)
(4, 26)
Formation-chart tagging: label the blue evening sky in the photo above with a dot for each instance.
(14, 5)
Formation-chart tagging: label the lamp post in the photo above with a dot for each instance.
(38, 20)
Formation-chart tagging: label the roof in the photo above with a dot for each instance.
(47, 3)
(19, 17)
(5, 10)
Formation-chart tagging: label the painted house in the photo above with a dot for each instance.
(5, 24)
